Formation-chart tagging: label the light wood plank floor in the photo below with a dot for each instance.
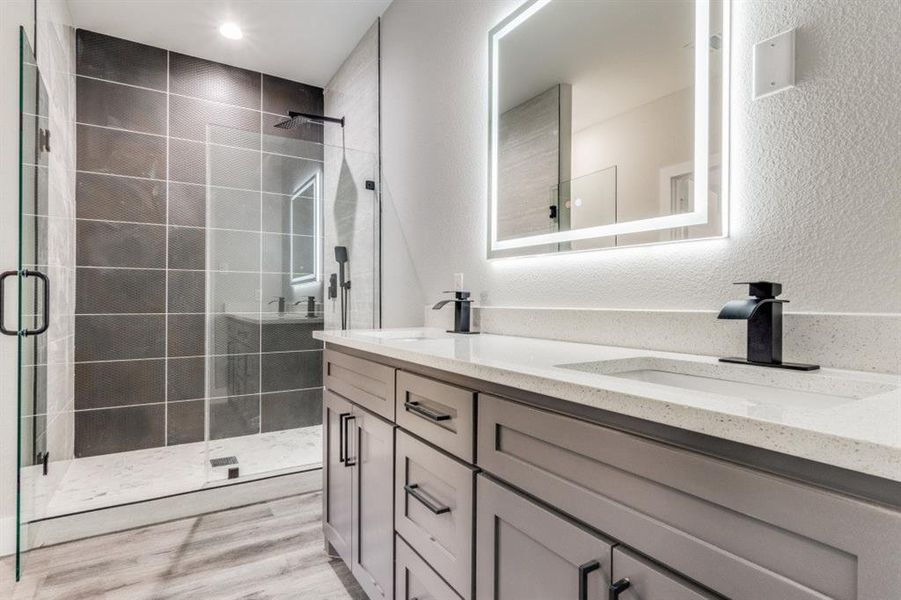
(272, 550)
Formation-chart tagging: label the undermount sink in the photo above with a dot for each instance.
(755, 385)
(401, 335)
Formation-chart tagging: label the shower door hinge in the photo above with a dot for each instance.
(370, 184)
(44, 459)
(44, 140)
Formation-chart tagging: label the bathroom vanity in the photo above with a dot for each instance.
(500, 467)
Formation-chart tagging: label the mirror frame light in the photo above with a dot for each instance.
(701, 141)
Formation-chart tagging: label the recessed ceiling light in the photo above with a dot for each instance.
(231, 31)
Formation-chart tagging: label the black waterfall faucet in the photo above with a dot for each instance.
(763, 312)
(462, 311)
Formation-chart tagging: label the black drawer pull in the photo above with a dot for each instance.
(584, 570)
(425, 413)
(348, 461)
(618, 587)
(413, 490)
(341, 418)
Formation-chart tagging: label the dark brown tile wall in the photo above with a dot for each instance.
(175, 186)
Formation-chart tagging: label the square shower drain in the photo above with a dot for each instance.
(224, 461)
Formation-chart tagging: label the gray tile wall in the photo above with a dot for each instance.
(182, 190)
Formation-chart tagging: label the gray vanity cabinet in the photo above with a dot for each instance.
(491, 498)
(529, 553)
(358, 501)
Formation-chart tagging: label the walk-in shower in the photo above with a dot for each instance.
(182, 223)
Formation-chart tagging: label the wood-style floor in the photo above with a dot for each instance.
(265, 551)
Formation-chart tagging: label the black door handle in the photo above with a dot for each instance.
(618, 587)
(3, 329)
(341, 417)
(348, 462)
(426, 413)
(413, 490)
(45, 317)
(584, 570)
(45, 321)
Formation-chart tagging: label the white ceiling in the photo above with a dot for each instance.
(616, 55)
(302, 40)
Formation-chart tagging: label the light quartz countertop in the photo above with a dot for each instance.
(857, 431)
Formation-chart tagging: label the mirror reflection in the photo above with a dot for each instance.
(594, 124)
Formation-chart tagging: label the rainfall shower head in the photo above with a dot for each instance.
(296, 119)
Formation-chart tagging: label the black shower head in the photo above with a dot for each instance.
(296, 119)
(341, 254)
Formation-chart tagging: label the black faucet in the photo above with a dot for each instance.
(311, 305)
(763, 312)
(462, 303)
(281, 304)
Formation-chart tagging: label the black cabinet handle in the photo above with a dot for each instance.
(348, 462)
(341, 418)
(426, 413)
(618, 587)
(3, 329)
(45, 321)
(413, 490)
(584, 570)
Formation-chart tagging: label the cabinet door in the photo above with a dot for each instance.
(373, 504)
(637, 579)
(527, 552)
(337, 474)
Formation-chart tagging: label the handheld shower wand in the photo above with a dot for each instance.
(344, 284)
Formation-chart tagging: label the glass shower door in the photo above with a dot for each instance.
(35, 416)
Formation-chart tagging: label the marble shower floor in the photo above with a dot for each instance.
(113, 479)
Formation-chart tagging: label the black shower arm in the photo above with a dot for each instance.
(293, 114)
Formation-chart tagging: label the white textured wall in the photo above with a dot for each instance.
(816, 176)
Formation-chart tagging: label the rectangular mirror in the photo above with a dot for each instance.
(608, 125)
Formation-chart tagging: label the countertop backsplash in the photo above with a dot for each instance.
(860, 342)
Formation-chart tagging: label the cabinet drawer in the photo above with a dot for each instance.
(527, 552)
(369, 384)
(437, 412)
(433, 509)
(742, 533)
(415, 580)
(649, 582)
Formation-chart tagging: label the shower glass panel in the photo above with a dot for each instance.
(266, 215)
(45, 283)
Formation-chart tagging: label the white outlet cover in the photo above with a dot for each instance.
(774, 64)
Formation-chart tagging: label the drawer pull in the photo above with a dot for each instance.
(425, 413)
(584, 570)
(348, 462)
(341, 418)
(413, 490)
(618, 587)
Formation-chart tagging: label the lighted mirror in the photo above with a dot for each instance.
(608, 125)
(304, 239)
